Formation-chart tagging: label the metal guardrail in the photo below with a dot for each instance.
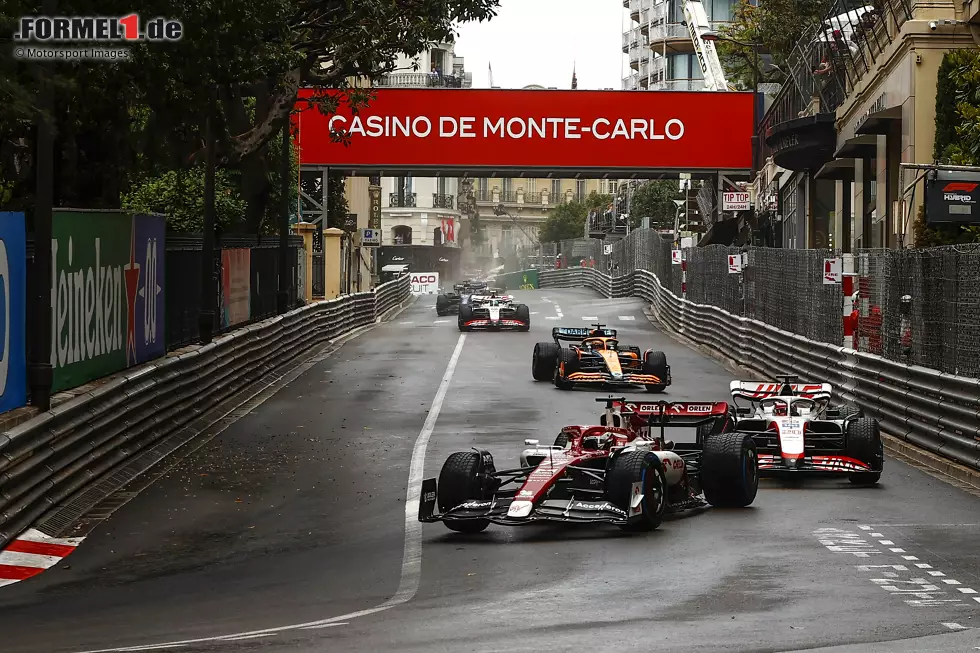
(930, 409)
(51, 464)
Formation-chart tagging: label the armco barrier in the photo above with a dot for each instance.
(932, 410)
(52, 460)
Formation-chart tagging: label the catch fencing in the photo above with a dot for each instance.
(56, 466)
(911, 306)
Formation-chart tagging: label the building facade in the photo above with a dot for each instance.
(661, 54)
(420, 218)
(862, 103)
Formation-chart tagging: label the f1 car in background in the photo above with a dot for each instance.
(622, 472)
(798, 432)
(493, 312)
(447, 303)
(597, 358)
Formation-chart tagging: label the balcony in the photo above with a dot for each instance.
(675, 34)
(407, 201)
(442, 201)
(678, 85)
(798, 129)
(425, 80)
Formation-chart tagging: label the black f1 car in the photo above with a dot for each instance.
(447, 303)
(597, 359)
(494, 313)
(798, 432)
(622, 472)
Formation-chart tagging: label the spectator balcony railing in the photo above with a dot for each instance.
(542, 197)
(442, 201)
(420, 80)
(407, 201)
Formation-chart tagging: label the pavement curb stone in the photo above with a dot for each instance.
(894, 445)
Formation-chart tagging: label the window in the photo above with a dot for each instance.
(581, 190)
(437, 236)
(402, 235)
(718, 10)
(683, 66)
(532, 185)
(556, 190)
(508, 185)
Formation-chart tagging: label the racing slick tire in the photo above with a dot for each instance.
(655, 362)
(641, 468)
(567, 363)
(458, 483)
(863, 442)
(465, 314)
(524, 315)
(442, 305)
(544, 360)
(729, 470)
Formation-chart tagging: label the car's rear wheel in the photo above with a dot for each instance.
(655, 362)
(544, 360)
(729, 471)
(524, 315)
(864, 443)
(442, 305)
(459, 482)
(638, 472)
(465, 314)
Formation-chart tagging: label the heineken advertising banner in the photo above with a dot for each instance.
(236, 287)
(107, 294)
(13, 304)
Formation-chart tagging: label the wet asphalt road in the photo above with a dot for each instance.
(296, 515)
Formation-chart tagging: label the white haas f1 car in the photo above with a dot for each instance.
(797, 432)
(623, 472)
(493, 312)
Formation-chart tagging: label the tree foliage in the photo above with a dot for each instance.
(654, 199)
(565, 222)
(123, 126)
(777, 26)
(957, 136)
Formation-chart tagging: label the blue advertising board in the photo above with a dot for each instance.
(13, 309)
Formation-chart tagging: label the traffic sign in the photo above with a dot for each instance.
(370, 238)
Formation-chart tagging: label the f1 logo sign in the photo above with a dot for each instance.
(961, 186)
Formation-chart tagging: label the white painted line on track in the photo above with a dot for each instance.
(407, 322)
(241, 637)
(952, 625)
(342, 623)
(545, 299)
(627, 318)
(553, 317)
(441, 322)
(411, 560)
(591, 317)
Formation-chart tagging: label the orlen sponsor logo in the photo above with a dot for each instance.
(954, 192)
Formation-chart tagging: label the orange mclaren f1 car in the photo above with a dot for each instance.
(597, 358)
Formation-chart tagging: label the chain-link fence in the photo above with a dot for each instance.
(914, 306)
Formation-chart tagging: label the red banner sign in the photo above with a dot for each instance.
(506, 129)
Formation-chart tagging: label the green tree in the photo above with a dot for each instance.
(777, 26)
(566, 221)
(654, 199)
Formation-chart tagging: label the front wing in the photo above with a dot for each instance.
(496, 510)
(771, 464)
(509, 322)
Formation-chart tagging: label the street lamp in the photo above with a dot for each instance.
(677, 221)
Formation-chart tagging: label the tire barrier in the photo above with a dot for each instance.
(932, 410)
(48, 462)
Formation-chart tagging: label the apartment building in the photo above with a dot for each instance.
(661, 54)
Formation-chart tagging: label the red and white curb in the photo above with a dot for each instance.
(31, 553)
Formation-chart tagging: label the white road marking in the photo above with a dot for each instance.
(954, 626)
(411, 560)
(441, 321)
(922, 565)
(967, 590)
(909, 558)
(935, 573)
(545, 299)
(877, 535)
(534, 312)
(553, 317)
(627, 318)
(897, 550)
(591, 317)
(241, 637)
(886, 542)
(949, 581)
(407, 322)
(342, 623)
(865, 528)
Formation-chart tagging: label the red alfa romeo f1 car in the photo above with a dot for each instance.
(798, 432)
(622, 472)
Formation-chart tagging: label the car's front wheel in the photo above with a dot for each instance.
(459, 482)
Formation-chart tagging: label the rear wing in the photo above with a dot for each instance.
(680, 413)
(580, 333)
(754, 391)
